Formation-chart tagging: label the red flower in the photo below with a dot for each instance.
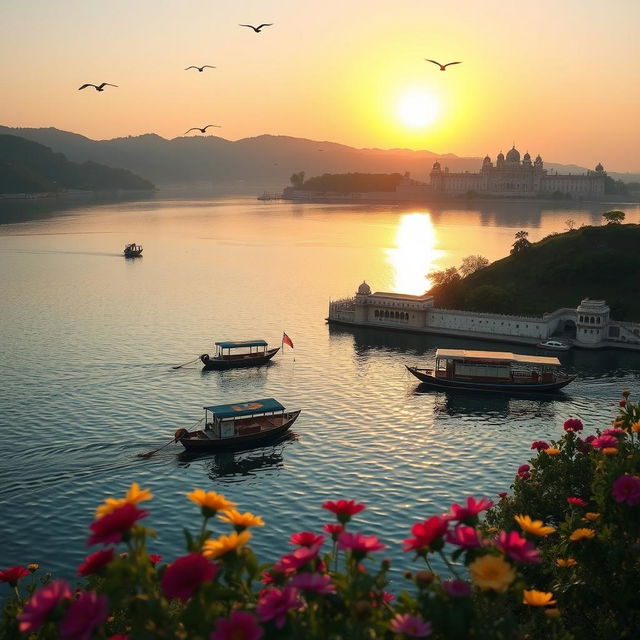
(154, 558)
(578, 502)
(512, 544)
(37, 610)
(573, 424)
(359, 544)
(343, 509)
(112, 527)
(240, 626)
(313, 583)
(291, 562)
(84, 615)
(465, 537)
(469, 514)
(275, 603)
(540, 445)
(13, 574)
(623, 403)
(334, 529)
(93, 563)
(306, 539)
(604, 441)
(502, 495)
(183, 576)
(428, 535)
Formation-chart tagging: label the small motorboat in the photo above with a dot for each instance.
(242, 425)
(133, 250)
(238, 353)
(554, 345)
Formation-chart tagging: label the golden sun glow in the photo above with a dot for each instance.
(416, 108)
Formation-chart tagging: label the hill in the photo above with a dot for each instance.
(596, 262)
(29, 167)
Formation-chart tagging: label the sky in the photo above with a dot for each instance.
(555, 77)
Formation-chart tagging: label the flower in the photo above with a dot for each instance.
(465, 537)
(537, 598)
(635, 427)
(604, 441)
(573, 424)
(457, 588)
(512, 544)
(307, 538)
(591, 517)
(581, 534)
(84, 615)
(566, 562)
(133, 496)
(552, 451)
(523, 468)
(241, 521)
(578, 502)
(502, 495)
(37, 610)
(626, 489)
(240, 626)
(183, 576)
(225, 544)
(609, 451)
(359, 544)
(313, 583)
(154, 558)
(589, 439)
(95, 562)
(540, 445)
(468, 514)
(210, 501)
(297, 559)
(534, 527)
(275, 603)
(412, 626)
(616, 432)
(33, 567)
(622, 403)
(334, 529)
(492, 572)
(343, 509)
(13, 574)
(428, 535)
(113, 526)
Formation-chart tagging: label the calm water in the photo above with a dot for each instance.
(89, 339)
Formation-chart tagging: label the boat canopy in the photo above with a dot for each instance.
(494, 357)
(237, 344)
(266, 405)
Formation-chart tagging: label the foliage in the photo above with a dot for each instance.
(471, 264)
(489, 298)
(353, 182)
(522, 243)
(297, 179)
(614, 217)
(618, 187)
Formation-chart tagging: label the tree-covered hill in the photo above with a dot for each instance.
(29, 167)
(559, 271)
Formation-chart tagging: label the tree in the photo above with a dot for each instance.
(471, 264)
(521, 243)
(297, 179)
(444, 277)
(613, 217)
(489, 298)
(570, 223)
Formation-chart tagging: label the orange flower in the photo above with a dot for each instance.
(224, 544)
(133, 496)
(591, 517)
(552, 451)
(210, 501)
(566, 562)
(609, 451)
(241, 521)
(635, 427)
(492, 572)
(534, 527)
(537, 598)
(581, 534)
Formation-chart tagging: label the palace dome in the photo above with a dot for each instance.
(501, 156)
(513, 155)
(364, 289)
(526, 156)
(599, 168)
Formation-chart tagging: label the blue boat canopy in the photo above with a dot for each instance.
(236, 344)
(245, 408)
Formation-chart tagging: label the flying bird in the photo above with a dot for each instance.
(200, 69)
(257, 29)
(97, 87)
(443, 67)
(203, 130)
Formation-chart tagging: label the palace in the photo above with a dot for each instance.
(512, 177)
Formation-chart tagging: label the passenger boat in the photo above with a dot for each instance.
(132, 250)
(492, 371)
(242, 425)
(554, 345)
(238, 353)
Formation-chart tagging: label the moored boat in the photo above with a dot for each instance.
(242, 425)
(132, 250)
(554, 345)
(238, 353)
(493, 371)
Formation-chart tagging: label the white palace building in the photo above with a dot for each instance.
(589, 325)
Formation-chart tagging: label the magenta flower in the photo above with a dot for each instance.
(540, 445)
(306, 539)
(457, 588)
(13, 574)
(428, 535)
(573, 424)
(469, 513)
(313, 583)
(84, 615)
(119, 636)
(589, 439)
(183, 576)
(578, 502)
(240, 626)
(502, 495)
(614, 431)
(343, 509)
(297, 559)
(465, 537)
(275, 603)
(359, 544)
(604, 441)
(334, 530)
(626, 488)
(37, 610)
(95, 562)
(154, 558)
(512, 544)
(523, 468)
(112, 527)
(412, 626)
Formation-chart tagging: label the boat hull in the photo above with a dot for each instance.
(217, 364)
(506, 387)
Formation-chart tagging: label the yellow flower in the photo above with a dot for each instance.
(566, 562)
(590, 516)
(635, 427)
(537, 598)
(33, 567)
(210, 501)
(241, 520)
(534, 527)
(225, 544)
(492, 572)
(133, 496)
(552, 451)
(580, 534)
(609, 451)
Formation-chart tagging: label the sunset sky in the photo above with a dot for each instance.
(557, 77)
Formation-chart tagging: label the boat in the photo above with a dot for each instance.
(242, 425)
(493, 371)
(238, 353)
(554, 345)
(132, 250)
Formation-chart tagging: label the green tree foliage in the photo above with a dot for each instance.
(615, 186)
(444, 277)
(521, 244)
(471, 264)
(353, 182)
(489, 298)
(297, 179)
(614, 217)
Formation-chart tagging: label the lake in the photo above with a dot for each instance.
(89, 340)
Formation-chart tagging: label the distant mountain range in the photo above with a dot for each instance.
(263, 162)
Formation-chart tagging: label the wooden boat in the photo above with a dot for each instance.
(132, 250)
(492, 371)
(242, 425)
(238, 353)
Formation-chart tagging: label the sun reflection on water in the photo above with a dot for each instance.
(415, 253)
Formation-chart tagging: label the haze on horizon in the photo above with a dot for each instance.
(559, 79)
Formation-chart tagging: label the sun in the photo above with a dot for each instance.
(417, 108)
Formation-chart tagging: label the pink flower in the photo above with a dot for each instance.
(512, 544)
(589, 439)
(154, 558)
(306, 539)
(334, 530)
(112, 527)
(183, 576)
(626, 488)
(614, 431)
(314, 583)
(604, 441)
(343, 509)
(275, 603)
(37, 610)
(573, 424)
(578, 502)
(93, 563)
(523, 468)
(428, 535)
(119, 636)
(540, 445)
(380, 597)
(84, 615)
(297, 559)
(240, 626)
(465, 537)
(468, 514)
(13, 574)
(359, 544)
(457, 588)
(412, 626)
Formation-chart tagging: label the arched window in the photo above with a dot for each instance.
(375, 313)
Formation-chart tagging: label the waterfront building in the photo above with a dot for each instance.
(589, 325)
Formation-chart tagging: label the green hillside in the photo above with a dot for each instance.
(29, 167)
(559, 271)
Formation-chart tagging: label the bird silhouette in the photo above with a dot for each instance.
(257, 29)
(97, 87)
(200, 69)
(203, 130)
(443, 67)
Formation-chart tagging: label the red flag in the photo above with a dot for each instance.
(287, 340)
